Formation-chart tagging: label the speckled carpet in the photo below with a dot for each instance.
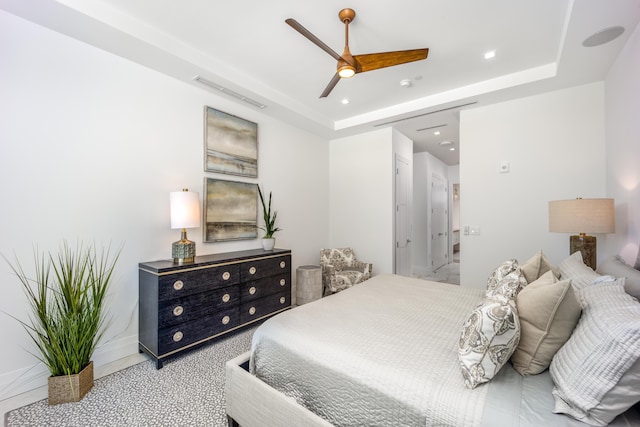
(187, 391)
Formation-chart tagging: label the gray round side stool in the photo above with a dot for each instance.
(308, 283)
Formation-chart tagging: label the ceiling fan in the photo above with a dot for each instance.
(349, 65)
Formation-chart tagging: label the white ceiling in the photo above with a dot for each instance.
(245, 46)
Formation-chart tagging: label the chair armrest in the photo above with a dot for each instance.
(365, 267)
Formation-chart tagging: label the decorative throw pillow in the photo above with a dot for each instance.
(535, 267)
(489, 337)
(548, 311)
(574, 268)
(508, 286)
(597, 372)
(506, 280)
(615, 266)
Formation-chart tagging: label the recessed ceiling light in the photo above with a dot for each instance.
(437, 132)
(490, 54)
(345, 101)
(452, 149)
(443, 143)
(405, 83)
(602, 37)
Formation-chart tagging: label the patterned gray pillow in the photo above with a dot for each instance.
(500, 273)
(489, 337)
(509, 286)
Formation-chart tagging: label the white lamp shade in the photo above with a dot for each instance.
(185, 209)
(582, 216)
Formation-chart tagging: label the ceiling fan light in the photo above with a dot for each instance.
(346, 71)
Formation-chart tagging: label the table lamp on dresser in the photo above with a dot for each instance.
(185, 213)
(582, 216)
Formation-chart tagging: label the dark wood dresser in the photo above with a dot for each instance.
(183, 306)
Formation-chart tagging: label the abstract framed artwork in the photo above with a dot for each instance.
(230, 144)
(230, 210)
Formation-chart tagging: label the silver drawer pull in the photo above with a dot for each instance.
(178, 284)
(282, 300)
(252, 311)
(177, 336)
(283, 264)
(252, 290)
(226, 275)
(226, 320)
(252, 270)
(226, 298)
(283, 282)
(178, 310)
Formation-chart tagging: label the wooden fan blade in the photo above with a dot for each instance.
(302, 30)
(374, 61)
(334, 81)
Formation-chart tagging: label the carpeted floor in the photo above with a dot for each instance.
(187, 391)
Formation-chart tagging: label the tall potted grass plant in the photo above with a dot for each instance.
(268, 241)
(67, 314)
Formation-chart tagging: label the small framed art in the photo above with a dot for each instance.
(230, 210)
(230, 144)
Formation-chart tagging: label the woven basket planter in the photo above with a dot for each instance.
(70, 388)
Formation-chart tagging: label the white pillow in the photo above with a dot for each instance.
(615, 266)
(597, 372)
(489, 336)
(574, 268)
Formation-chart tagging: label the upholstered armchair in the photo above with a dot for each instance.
(341, 269)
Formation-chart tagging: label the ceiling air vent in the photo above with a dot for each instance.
(228, 92)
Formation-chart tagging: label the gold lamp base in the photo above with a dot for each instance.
(183, 251)
(587, 246)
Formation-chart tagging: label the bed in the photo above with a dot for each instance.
(383, 353)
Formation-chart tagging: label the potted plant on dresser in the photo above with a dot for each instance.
(67, 314)
(268, 241)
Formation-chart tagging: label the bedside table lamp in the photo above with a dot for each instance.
(582, 216)
(185, 213)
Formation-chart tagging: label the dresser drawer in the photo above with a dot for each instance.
(256, 289)
(257, 269)
(186, 283)
(252, 310)
(178, 336)
(198, 305)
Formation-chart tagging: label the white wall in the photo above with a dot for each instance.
(361, 197)
(555, 146)
(622, 107)
(92, 144)
(424, 166)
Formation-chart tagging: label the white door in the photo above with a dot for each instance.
(439, 222)
(402, 220)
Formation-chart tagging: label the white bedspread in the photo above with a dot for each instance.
(383, 353)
